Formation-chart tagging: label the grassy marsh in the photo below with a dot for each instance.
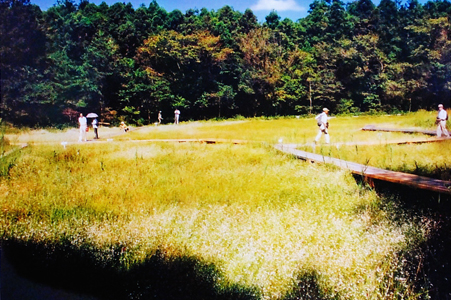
(261, 218)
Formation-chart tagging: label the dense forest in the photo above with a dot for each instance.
(128, 64)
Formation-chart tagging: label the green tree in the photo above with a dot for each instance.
(272, 20)
(295, 89)
(22, 60)
(248, 21)
(339, 24)
(369, 73)
(363, 12)
(175, 20)
(316, 22)
(326, 86)
(191, 64)
(263, 61)
(389, 28)
(432, 58)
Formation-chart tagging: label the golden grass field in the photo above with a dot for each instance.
(260, 217)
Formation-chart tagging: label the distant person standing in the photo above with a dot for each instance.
(323, 123)
(160, 117)
(176, 116)
(95, 126)
(442, 116)
(83, 122)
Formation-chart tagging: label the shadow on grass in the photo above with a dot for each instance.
(81, 272)
(307, 287)
(427, 263)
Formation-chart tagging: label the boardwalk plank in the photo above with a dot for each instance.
(411, 180)
(413, 130)
(21, 146)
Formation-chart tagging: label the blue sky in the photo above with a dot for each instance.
(293, 9)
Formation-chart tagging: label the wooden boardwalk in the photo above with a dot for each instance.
(203, 140)
(21, 146)
(110, 140)
(413, 130)
(414, 181)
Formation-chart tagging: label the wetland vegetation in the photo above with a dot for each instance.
(135, 218)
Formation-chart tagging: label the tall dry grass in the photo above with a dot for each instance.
(259, 217)
(262, 218)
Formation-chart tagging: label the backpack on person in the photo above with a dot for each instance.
(318, 120)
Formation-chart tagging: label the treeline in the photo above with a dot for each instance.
(128, 64)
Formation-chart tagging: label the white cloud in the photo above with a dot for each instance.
(278, 5)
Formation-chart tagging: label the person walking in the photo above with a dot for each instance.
(83, 123)
(176, 116)
(323, 123)
(95, 126)
(160, 117)
(442, 117)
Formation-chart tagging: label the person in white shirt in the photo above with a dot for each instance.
(176, 116)
(83, 122)
(442, 116)
(124, 127)
(323, 124)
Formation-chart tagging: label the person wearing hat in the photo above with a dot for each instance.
(323, 124)
(442, 116)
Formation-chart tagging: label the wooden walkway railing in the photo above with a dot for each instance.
(415, 181)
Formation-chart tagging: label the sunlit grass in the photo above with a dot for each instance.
(292, 130)
(289, 130)
(5, 146)
(260, 217)
(49, 135)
